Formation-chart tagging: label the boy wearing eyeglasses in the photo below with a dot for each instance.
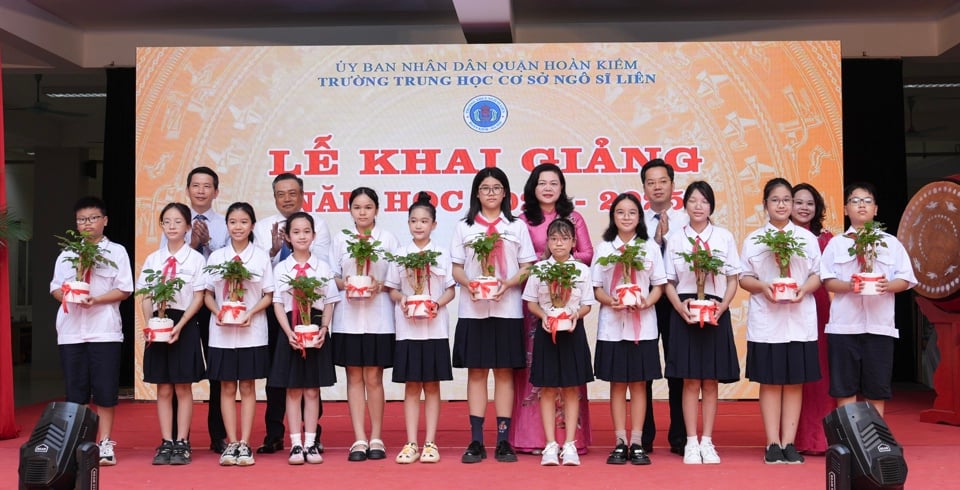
(89, 333)
(861, 330)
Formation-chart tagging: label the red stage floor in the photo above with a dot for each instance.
(930, 451)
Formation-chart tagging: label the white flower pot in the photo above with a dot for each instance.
(557, 315)
(359, 287)
(628, 294)
(784, 289)
(231, 312)
(485, 287)
(158, 330)
(76, 291)
(419, 306)
(695, 306)
(868, 282)
(308, 335)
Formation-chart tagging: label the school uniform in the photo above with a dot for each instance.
(422, 351)
(781, 337)
(263, 237)
(861, 331)
(627, 349)
(90, 338)
(490, 333)
(567, 362)
(240, 353)
(311, 367)
(181, 361)
(364, 332)
(709, 352)
(216, 228)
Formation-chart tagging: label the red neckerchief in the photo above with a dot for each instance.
(499, 259)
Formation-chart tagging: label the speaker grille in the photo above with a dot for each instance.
(52, 434)
(37, 472)
(892, 470)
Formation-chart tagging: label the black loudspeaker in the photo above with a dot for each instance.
(61, 452)
(857, 433)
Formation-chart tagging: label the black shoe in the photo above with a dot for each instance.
(376, 452)
(270, 446)
(678, 450)
(637, 456)
(181, 453)
(774, 455)
(619, 455)
(505, 453)
(791, 455)
(647, 447)
(164, 451)
(475, 453)
(358, 451)
(218, 446)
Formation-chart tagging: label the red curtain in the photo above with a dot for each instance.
(8, 424)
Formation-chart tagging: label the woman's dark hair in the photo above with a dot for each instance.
(531, 207)
(246, 208)
(866, 186)
(704, 189)
(773, 184)
(611, 232)
(365, 191)
(298, 214)
(501, 177)
(563, 226)
(179, 206)
(819, 207)
(423, 201)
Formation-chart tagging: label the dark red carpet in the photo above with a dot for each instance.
(930, 451)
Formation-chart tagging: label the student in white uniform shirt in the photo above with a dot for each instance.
(781, 337)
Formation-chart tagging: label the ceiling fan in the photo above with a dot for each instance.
(40, 107)
(912, 131)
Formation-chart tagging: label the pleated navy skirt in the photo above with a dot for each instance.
(489, 343)
(627, 361)
(702, 353)
(363, 349)
(179, 362)
(566, 363)
(310, 368)
(783, 364)
(422, 361)
(238, 364)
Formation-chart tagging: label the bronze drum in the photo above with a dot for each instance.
(930, 231)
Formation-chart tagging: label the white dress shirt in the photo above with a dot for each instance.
(440, 279)
(263, 236)
(616, 325)
(364, 315)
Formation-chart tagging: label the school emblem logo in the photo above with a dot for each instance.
(485, 113)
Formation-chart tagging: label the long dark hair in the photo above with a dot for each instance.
(611, 232)
(531, 207)
(498, 174)
(819, 207)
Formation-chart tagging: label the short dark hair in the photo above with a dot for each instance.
(206, 171)
(90, 202)
(286, 176)
(704, 189)
(848, 190)
(656, 162)
(178, 207)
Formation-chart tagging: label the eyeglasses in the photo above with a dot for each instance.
(856, 201)
(89, 219)
(491, 190)
(168, 222)
(776, 201)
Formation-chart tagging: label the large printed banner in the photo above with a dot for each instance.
(401, 119)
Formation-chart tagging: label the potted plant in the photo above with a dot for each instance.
(161, 291)
(306, 291)
(85, 256)
(784, 245)
(560, 278)
(362, 249)
(865, 243)
(417, 266)
(483, 246)
(629, 260)
(11, 228)
(233, 273)
(702, 263)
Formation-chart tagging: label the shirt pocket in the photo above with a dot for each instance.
(103, 279)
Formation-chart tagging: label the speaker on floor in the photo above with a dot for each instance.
(862, 449)
(61, 452)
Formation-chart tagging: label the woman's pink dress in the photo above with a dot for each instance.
(817, 402)
(526, 428)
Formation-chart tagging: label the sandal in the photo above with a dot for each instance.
(376, 450)
(430, 453)
(409, 454)
(358, 451)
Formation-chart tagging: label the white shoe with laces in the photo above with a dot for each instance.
(708, 453)
(691, 454)
(569, 454)
(549, 455)
(107, 457)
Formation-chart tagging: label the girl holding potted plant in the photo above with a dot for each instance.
(559, 291)
(702, 265)
(489, 333)
(627, 353)
(544, 200)
(781, 336)
(421, 285)
(171, 285)
(861, 332)
(238, 352)
(304, 299)
(363, 328)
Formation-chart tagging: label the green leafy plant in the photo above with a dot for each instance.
(417, 265)
(482, 247)
(702, 263)
(160, 290)
(86, 254)
(11, 228)
(363, 250)
(560, 278)
(234, 273)
(307, 290)
(865, 243)
(784, 245)
(630, 258)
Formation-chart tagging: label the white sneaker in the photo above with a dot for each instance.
(229, 455)
(107, 458)
(691, 454)
(569, 454)
(708, 453)
(549, 455)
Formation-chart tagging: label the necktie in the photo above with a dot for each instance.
(202, 218)
(170, 269)
(301, 272)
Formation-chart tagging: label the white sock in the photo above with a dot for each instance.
(706, 440)
(295, 439)
(691, 440)
(635, 437)
(309, 438)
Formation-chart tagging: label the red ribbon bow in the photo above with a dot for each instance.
(431, 314)
(236, 310)
(485, 286)
(303, 338)
(554, 321)
(858, 281)
(782, 287)
(635, 290)
(66, 289)
(708, 314)
(150, 334)
(360, 291)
